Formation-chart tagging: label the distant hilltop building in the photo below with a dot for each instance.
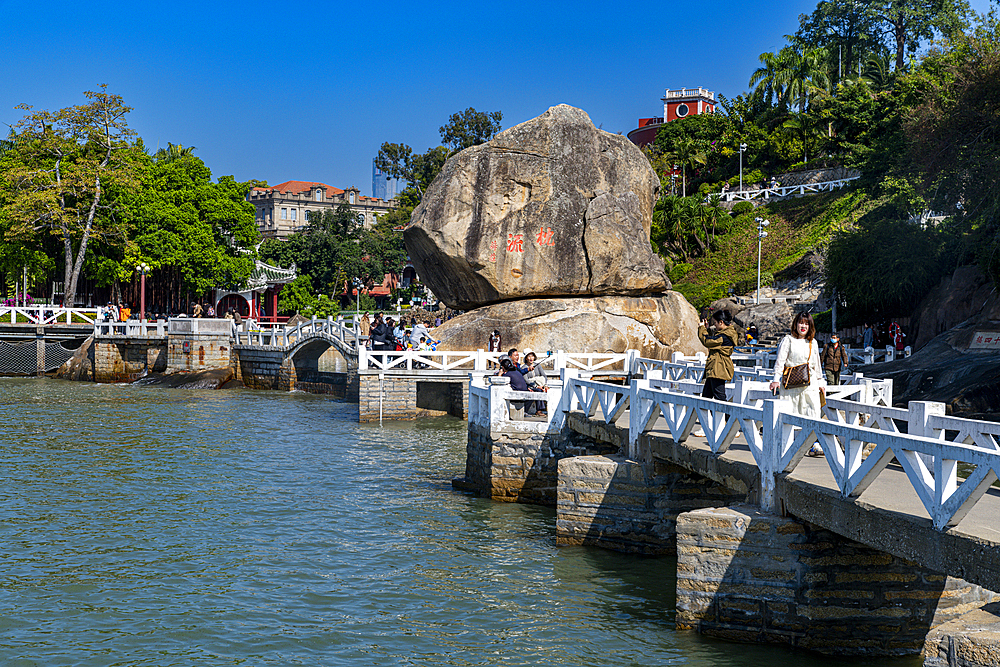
(282, 210)
(383, 187)
(676, 104)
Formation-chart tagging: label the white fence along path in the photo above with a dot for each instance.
(787, 190)
(42, 315)
(860, 430)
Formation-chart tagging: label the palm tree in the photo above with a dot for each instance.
(768, 81)
(877, 71)
(688, 151)
(712, 212)
(173, 152)
(806, 75)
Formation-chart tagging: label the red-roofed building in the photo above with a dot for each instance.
(283, 208)
(676, 104)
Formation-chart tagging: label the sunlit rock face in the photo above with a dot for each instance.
(550, 207)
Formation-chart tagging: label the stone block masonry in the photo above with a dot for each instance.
(258, 366)
(404, 396)
(624, 505)
(522, 467)
(127, 359)
(198, 352)
(748, 576)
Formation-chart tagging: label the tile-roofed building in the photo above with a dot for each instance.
(282, 209)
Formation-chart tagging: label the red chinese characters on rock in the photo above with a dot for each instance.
(544, 237)
(493, 250)
(515, 243)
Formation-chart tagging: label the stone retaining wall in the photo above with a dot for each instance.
(522, 467)
(258, 366)
(748, 576)
(198, 352)
(127, 359)
(611, 502)
(401, 397)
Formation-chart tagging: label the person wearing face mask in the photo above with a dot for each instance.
(834, 360)
(796, 348)
(718, 335)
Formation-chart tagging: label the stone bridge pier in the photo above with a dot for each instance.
(314, 364)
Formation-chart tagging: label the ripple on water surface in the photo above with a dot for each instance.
(152, 526)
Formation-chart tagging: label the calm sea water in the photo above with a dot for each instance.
(152, 526)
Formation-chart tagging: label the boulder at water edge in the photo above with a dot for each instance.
(550, 207)
(654, 326)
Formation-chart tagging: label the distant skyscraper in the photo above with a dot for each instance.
(382, 186)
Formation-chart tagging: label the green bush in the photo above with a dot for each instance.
(742, 208)
(678, 272)
(749, 178)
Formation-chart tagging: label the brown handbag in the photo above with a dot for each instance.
(793, 377)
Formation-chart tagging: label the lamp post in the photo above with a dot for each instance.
(143, 269)
(761, 235)
(743, 148)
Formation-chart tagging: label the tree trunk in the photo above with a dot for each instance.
(899, 30)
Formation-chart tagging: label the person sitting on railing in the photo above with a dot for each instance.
(535, 376)
(720, 339)
(834, 360)
(508, 368)
(800, 348)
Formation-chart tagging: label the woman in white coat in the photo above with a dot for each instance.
(799, 347)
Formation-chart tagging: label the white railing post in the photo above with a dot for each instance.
(499, 412)
(869, 356)
(362, 357)
(635, 416)
(677, 358)
(560, 361)
(480, 362)
(568, 376)
(629, 364)
(771, 445)
(890, 353)
(918, 424)
(554, 404)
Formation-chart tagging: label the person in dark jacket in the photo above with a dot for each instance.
(834, 360)
(380, 333)
(720, 339)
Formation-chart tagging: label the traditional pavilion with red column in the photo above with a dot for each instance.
(259, 301)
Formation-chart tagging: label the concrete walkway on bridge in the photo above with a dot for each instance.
(888, 516)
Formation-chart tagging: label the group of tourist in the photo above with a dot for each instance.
(385, 334)
(121, 312)
(527, 376)
(801, 373)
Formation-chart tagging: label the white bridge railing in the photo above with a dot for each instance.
(131, 329)
(787, 190)
(860, 432)
(593, 363)
(42, 315)
(288, 336)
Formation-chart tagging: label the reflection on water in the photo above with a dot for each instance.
(152, 526)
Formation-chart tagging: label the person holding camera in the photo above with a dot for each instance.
(718, 335)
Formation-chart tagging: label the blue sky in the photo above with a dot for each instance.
(309, 91)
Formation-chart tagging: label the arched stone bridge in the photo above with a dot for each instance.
(320, 356)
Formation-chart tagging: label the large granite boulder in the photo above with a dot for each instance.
(654, 326)
(550, 207)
